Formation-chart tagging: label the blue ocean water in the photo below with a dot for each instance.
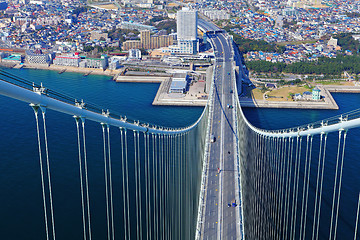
(21, 207)
(285, 118)
(20, 184)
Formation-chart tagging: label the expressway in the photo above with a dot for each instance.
(220, 220)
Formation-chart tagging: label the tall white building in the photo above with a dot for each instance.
(187, 21)
(187, 24)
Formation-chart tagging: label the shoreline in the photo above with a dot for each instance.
(161, 98)
(88, 71)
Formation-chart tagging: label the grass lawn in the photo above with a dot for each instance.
(257, 94)
(285, 92)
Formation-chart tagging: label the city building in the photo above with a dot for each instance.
(37, 57)
(13, 58)
(187, 21)
(114, 63)
(136, 26)
(134, 54)
(216, 14)
(187, 24)
(131, 44)
(95, 62)
(97, 35)
(148, 42)
(316, 94)
(179, 83)
(68, 60)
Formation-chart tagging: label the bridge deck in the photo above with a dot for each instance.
(220, 220)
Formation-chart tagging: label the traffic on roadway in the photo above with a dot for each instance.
(221, 202)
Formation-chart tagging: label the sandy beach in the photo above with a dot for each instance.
(72, 69)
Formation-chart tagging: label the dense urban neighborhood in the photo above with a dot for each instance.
(89, 34)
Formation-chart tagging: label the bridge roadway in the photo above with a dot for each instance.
(219, 220)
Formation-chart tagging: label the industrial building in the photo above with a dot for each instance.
(179, 83)
(37, 57)
(68, 60)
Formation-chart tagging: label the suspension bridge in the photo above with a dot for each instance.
(246, 183)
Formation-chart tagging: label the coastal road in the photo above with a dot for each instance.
(219, 220)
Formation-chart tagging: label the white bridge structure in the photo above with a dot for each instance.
(250, 183)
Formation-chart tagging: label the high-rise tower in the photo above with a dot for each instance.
(187, 24)
(187, 21)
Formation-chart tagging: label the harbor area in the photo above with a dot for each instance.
(177, 89)
(195, 96)
(298, 97)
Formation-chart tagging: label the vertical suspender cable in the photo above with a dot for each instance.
(293, 213)
(179, 185)
(86, 176)
(81, 177)
(127, 183)
(275, 187)
(290, 158)
(321, 186)
(188, 185)
(286, 166)
(136, 187)
(172, 188)
(164, 187)
(167, 227)
(262, 186)
(146, 190)
(304, 184)
(149, 186)
(279, 169)
(278, 185)
(307, 189)
(261, 162)
(357, 218)
(139, 176)
(335, 184)
(339, 189)
(274, 141)
(167, 187)
(257, 184)
(36, 108)
(282, 182)
(48, 172)
(317, 186)
(106, 183)
(110, 183)
(161, 189)
(123, 182)
(297, 186)
(154, 162)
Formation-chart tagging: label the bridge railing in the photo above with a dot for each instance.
(281, 175)
(26, 91)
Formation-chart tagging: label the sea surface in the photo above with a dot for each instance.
(20, 185)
